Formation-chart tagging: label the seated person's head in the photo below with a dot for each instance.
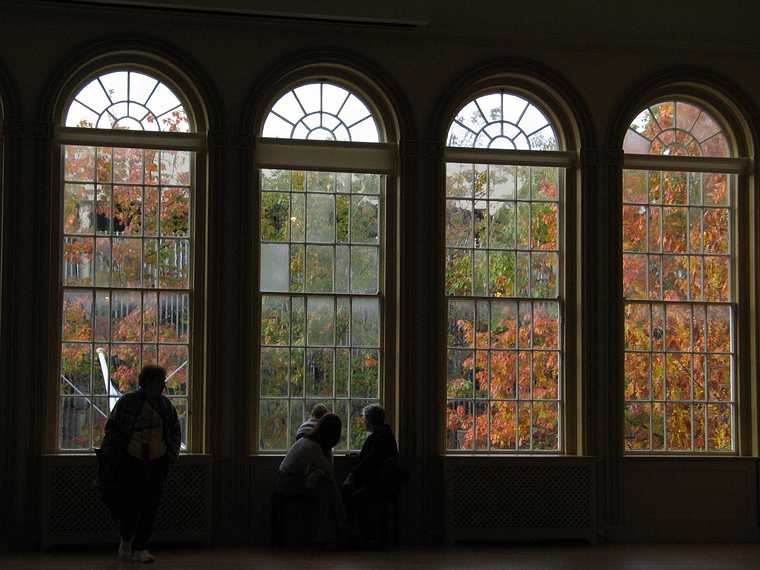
(327, 432)
(318, 411)
(152, 380)
(374, 416)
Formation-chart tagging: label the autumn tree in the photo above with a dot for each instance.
(503, 357)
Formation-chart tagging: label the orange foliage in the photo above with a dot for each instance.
(676, 244)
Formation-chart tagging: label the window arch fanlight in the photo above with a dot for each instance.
(676, 128)
(127, 99)
(502, 120)
(325, 260)
(322, 111)
(507, 184)
(130, 253)
(681, 195)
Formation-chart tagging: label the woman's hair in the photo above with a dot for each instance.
(151, 373)
(327, 432)
(318, 411)
(374, 414)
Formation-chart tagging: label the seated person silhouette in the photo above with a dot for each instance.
(306, 481)
(371, 480)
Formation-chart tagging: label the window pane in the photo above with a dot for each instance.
(175, 212)
(365, 373)
(175, 359)
(127, 291)
(679, 337)
(320, 218)
(275, 312)
(76, 366)
(274, 267)
(365, 322)
(274, 371)
(504, 365)
(273, 425)
(321, 321)
(365, 270)
(75, 423)
(321, 333)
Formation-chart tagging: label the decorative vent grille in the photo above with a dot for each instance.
(499, 497)
(75, 507)
(73, 512)
(185, 501)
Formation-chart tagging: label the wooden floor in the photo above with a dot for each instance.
(528, 557)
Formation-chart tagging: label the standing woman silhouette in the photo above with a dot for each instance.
(142, 439)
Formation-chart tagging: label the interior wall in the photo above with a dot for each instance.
(601, 49)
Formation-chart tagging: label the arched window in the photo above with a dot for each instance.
(129, 249)
(505, 195)
(324, 271)
(679, 280)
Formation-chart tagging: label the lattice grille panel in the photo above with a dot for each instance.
(493, 496)
(184, 504)
(74, 509)
(74, 504)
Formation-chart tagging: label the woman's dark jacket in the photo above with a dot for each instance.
(379, 447)
(119, 428)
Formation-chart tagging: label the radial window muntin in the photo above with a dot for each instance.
(705, 398)
(467, 150)
(677, 126)
(356, 175)
(128, 99)
(166, 173)
(322, 110)
(504, 120)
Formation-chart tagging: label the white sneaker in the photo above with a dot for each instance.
(143, 556)
(125, 550)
